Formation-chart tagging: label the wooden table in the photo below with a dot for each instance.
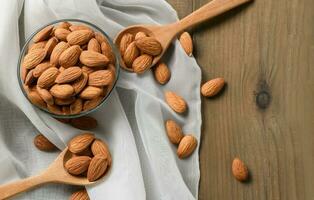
(265, 115)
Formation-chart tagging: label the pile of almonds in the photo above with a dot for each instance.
(68, 69)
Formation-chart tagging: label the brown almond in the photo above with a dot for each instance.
(80, 195)
(34, 97)
(100, 78)
(84, 123)
(100, 37)
(89, 70)
(139, 35)
(63, 91)
(30, 79)
(43, 144)
(64, 102)
(80, 142)
(174, 131)
(186, 43)
(100, 147)
(76, 107)
(125, 42)
(149, 45)
(93, 59)
(65, 25)
(79, 37)
(93, 45)
(142, 63)
(48, 77)
(61, 69)
(38, 45)
(91, 92)
(57, 51)
(80, 83)
(55, 109)
(65, 110)
(68, 75)
(239, 170)
(97, 168)
(39, 69)
(107, 51)
(162, 73)
(77, 165)
(70, 56)
(43, 34)
(33, 58)
(79, 27)
(45, 95)
(176, 102)
(90, 104)
(186, 146)
(51, 44)
(130, 54)
(62, 34)
(212, 87)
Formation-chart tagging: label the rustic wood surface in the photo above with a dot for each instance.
(265, 115)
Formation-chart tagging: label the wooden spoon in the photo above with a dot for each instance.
(166, 33)
(55, 173)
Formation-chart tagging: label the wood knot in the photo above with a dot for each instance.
(263, 96)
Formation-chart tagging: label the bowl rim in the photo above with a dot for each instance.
(94, 27)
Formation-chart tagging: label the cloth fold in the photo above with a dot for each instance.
(145, 165)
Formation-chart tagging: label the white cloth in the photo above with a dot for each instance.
(145, 165)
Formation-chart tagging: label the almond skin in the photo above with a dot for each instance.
(43, 144)
(139, 35)
(51, 44)
(149, 45)
(45, 95)
(97, 167)
(93, 59)
(68, 75)
(90, 104)
(142, 63)
(57, 51)
(55, 109)
(176, 102)
(174, 131)
(33, 58)
(130, 54)
(43, 34)
(100, 147)
(48, 77)
(39, 69)
(77, 165)
(100, 37)
(186, 43)
(93, 45)
(186, 146)
(64, 102)
(79, 37)
(107, 51)
(212, 87)
(38, 45)
(80, 142)
(62, 33)
(100, 78)
(80, 83)
(79, 27)
(79, 195)
(125, 42)
(76, 107)
(162, 73)
(239, 170)
(35, 98)
(84, 123)
(63, 91)
(65, 25)
(70, 56)
(30, 79)
(91, 92)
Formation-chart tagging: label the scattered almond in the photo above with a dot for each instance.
(186, 146)
(186, 43)
(162, 73)
(43, 144)
(80, 195)
(174, 131)
(176, 102)
(239, 170)
(212, 87)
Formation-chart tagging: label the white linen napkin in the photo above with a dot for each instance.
(145, 165)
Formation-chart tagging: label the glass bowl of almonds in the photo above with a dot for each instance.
(68, 68)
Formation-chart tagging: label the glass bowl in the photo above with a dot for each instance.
(72, 21)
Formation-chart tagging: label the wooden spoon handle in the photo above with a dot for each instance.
(208, 11)
(11, 189)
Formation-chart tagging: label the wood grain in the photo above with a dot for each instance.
(265, 51)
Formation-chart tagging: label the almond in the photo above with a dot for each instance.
(55, 109)
(80, 195)
(70, 56)
(89, 70)
(142, 63)
(91, 92)
(38, 45)
(43, 144)
(79, 27)
(34, 97)
(90, 104)
(48, 77)
(64, 102)
(45, 95)
(162, 73)
(80, 142)
(139, 35)
(43, 34)
(57, 51)
(77, 165)
(100, 147)
(84, 123)
(176, 102)
(62, 33)
(51, 44)
(65, 110)
(149, 45)
(100, 37)
(186, 146)
(61, 69)
(93, 59)
(30, 79)
(239, 170)
(186, 43)
(76, 107)
(65, 25)
(212, 87)
(79, 37)
(80, 83)
(174, 131)
(100, 78)
(33, 58)
(24, 73)
(68, 75)
(93, 45)
(97, 167)
(130, 54)
(39, 69)
(63, 91)
(125, 42)
(107, 51)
